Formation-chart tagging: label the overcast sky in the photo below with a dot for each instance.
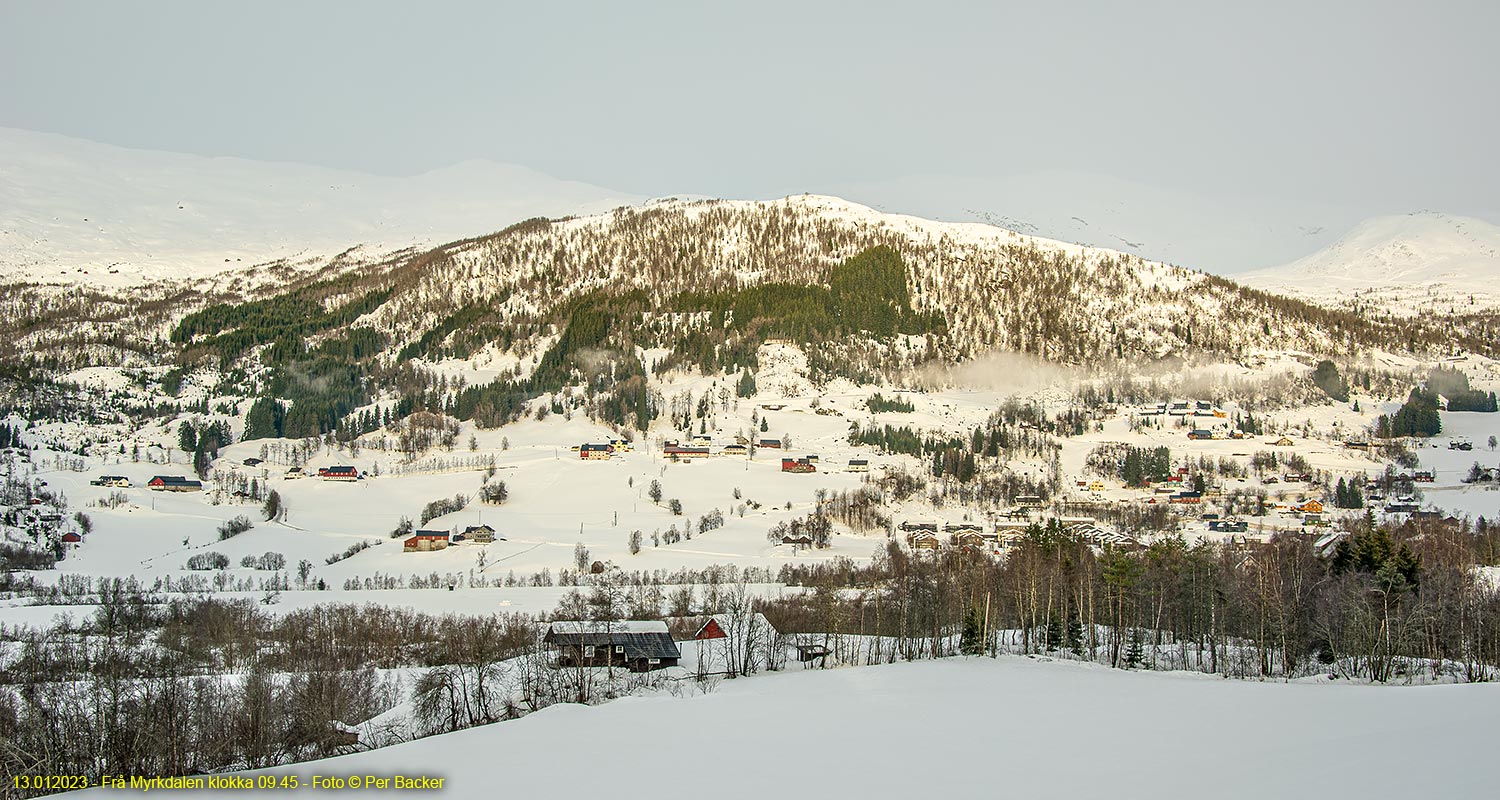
(1374, 105)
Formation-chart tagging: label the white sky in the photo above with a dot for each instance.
(1370, 107)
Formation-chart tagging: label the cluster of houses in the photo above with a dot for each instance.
(426, 541)
(1183, 408)
(334, 473)
(702, 447)
(602, 452)
(930, 535)
(1215, 433)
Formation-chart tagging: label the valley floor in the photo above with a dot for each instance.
(1007, 727)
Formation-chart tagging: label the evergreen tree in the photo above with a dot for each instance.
(746, 386)
(971, 640)
(1075, 635)
(1054, 633)
(1134, 652)
(187, 437)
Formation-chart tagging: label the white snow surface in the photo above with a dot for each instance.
(73, 210)
(1008, 727)
(1401, 263)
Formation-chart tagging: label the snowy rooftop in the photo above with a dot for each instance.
(625, 626)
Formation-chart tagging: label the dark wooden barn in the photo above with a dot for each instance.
(634, 645)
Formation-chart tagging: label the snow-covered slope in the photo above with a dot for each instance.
(78, 211)
(1403, 264)
(1009, 727)
(1223, 234)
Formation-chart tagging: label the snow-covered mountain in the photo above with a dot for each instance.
(1421, 262)
(77, 211)
(1223, 234)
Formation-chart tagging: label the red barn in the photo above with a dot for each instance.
(710, 630)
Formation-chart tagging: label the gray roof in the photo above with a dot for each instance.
(637, 643)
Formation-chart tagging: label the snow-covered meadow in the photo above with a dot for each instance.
(1007, 727)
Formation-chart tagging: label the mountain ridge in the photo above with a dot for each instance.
(1404, 264)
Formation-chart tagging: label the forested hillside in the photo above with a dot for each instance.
(600, 303)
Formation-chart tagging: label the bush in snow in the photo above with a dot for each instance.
(209, 560)
(235, 527)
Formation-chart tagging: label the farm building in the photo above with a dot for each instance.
(922, 540)
(252, 462)
(801, 465)
(294, 473)
(1283, 442)
(798, 541)
(859, 465)
(173, 483)
(595, 452)
(1229, 526)
(426, 541)
(479, 534)
(737, 644)
(71, 537)
(774, 444)
(680, 453)
(339, 473)
(1309, 507)
(1200, 433)
(118, 481)
(969, 538)
(638, 646)
(734, 450)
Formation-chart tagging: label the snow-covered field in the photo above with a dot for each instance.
(1008, 727)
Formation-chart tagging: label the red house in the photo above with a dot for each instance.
(71, 538)
(710, 630)
(338, 473)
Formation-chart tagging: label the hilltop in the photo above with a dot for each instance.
(1426, 262)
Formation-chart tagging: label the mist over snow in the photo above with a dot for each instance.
(1006, 373)
(76, 211)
